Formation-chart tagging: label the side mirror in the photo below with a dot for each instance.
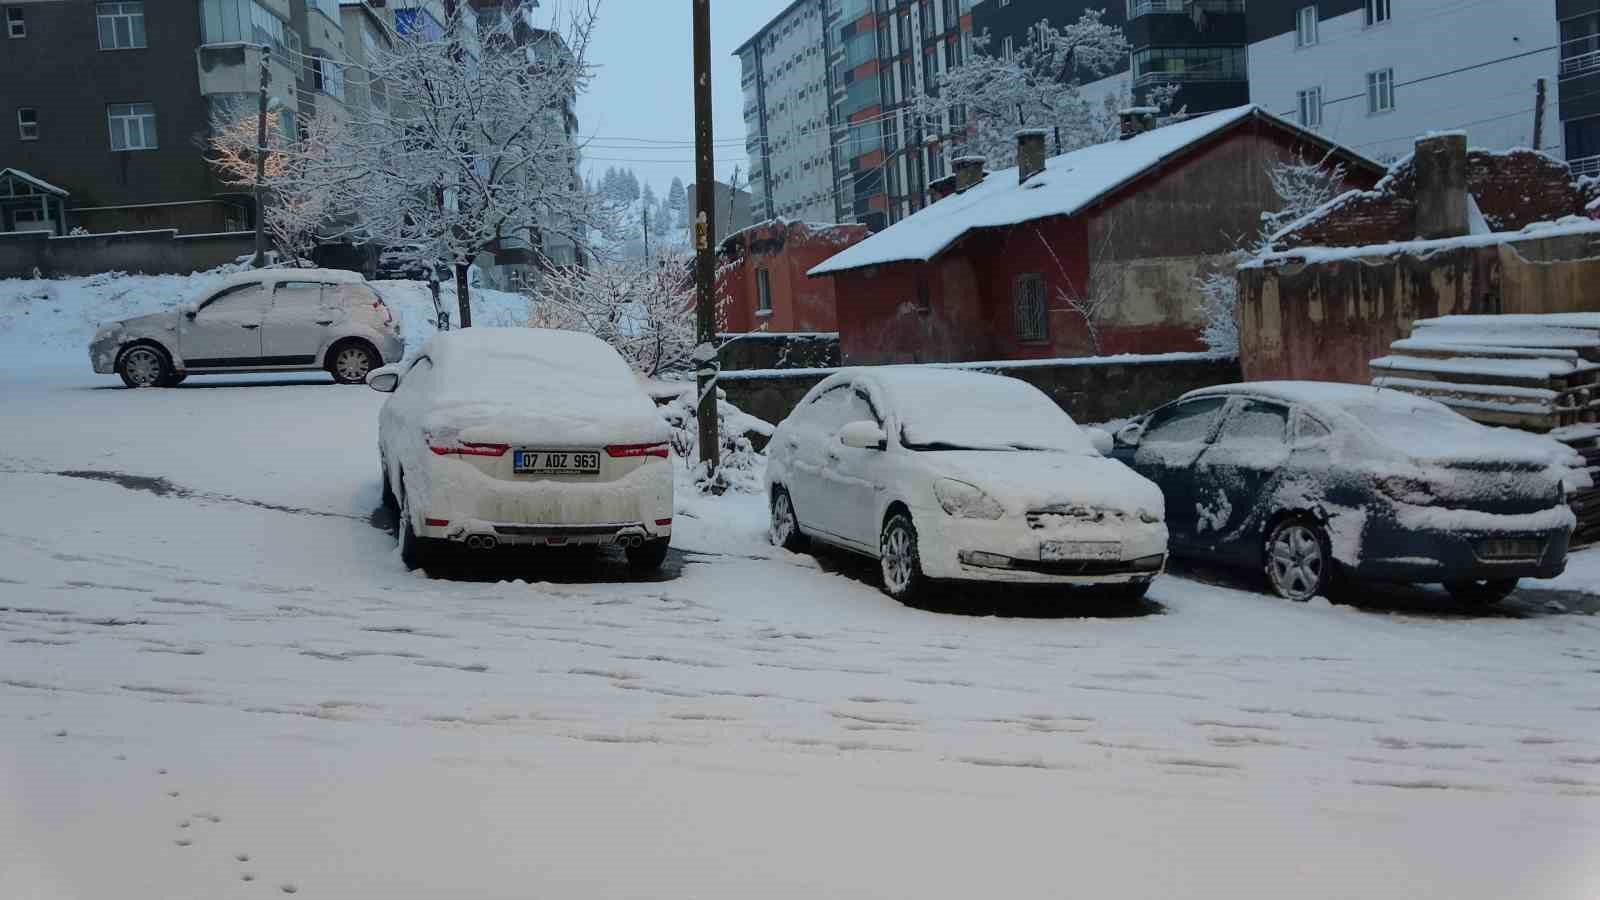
(1102, 440)
(384, 380)
(189, 311)
(1130, 435)
(863, 435)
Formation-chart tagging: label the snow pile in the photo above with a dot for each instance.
(49, 322)
(741, 465)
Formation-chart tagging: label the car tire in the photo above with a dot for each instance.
(785, 524)
(415, 552)
(351, 361)
(900, 560)
(145, 366)
(648, 556)
(1481, 592)
(1299, 559)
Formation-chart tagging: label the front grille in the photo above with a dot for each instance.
(1039, 519)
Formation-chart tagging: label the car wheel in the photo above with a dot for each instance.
(900, 560)
(144, 366)
(415, 552)
(351, 362)
(648, 556)
(1482, 592)
(1299, 559)
(785, 531)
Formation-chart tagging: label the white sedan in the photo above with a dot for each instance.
(520, 436)
(951, 475)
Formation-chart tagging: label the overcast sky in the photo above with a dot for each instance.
(639, 112)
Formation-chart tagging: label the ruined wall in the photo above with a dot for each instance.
(1325, 321)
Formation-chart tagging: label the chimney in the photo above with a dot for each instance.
(1030, 153)
(1137, 120)
(941, 188)
(969, 171)
(1441, 166)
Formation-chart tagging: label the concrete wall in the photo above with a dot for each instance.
(779, 351)
(1326, 321)
(1089, 392)
(147, 252)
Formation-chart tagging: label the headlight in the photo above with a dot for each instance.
(966, 501)
(1148, 517)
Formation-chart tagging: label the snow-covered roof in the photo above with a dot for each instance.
(330, 276)
(39, 183)
(1069, 183)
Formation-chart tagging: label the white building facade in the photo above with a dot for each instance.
(1373, 75)
(788, 128)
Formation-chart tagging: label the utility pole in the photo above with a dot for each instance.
(646, 231)
(705, 351)
(1538, 115)
(261, 160)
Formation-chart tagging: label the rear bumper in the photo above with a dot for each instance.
(1439, 556)
(534, 535)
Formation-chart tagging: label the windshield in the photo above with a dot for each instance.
(982, 413)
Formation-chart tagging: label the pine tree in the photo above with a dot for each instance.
(678, 203)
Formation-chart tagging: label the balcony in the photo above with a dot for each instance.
(1588, 165)
(235, 68)
(1573, 66)
(1138, 8)
(1192, 75)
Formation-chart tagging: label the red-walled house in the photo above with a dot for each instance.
(1017, 264)
(762, 276)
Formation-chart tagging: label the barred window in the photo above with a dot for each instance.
(1031, 309)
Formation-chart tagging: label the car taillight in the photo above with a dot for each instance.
(388, 317)
(626, 451)
(467, 449)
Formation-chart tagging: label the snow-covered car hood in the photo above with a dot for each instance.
(1030, 480)
(160, 321)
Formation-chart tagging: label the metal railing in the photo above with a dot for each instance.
(1588, 165)
(1190, 75)
(1138, 8)
(1583, 62)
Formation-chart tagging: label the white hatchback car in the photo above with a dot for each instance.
(266, 320)
(521, 436)
(952, 475)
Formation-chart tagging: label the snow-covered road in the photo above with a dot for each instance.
(216, 680)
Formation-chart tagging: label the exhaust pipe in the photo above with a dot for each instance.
(632, 541)
(482, 542)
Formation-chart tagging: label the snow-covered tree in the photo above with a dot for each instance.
(472, 152)
(678, 204)
(642, 307)
(1301, 186)
(980, 105)
(298, 211)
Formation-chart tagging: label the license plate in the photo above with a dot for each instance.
(1062, 551)
(1508, 548)
(555, 462)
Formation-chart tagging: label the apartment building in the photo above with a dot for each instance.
(107, 103)
(1197, 45)
(1580, 83)
(826, 86)
(1374, 74)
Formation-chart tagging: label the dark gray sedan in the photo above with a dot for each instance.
(1320, 483)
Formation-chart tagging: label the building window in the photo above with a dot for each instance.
(763, 291)
(121, 25)
(1380, 91)
(328, 77)
(28, 124)
(1580, 45)
(1583, 146)
(1031, 310)
(133, 126)
(1007, 48)
(1310, 107)
(1305, 26)
(1377, 11)
(16, 25)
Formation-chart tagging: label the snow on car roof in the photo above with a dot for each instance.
(1321, 394)
(1069, 183)
(521, 350)
(252, 276)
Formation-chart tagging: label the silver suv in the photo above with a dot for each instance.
(272, 320)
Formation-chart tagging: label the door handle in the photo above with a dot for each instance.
(249, 327)
(324, 321)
